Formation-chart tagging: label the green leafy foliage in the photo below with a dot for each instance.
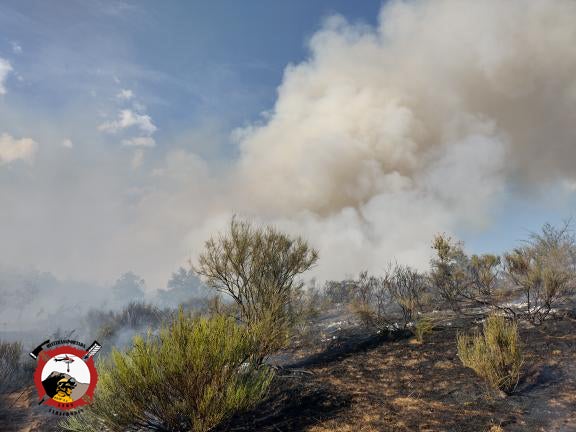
(192, 376)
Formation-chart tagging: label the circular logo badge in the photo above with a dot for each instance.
(65, 377)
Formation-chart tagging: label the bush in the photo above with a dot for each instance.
(258, 267)
(449, 271)
(423, 327)
(10, 366)
(372, 302)
(541, 273)
(495, 354)
(340, 292)
(544, 271)
(392, 300)
(407, 289)
(192, 376)
(118, 327)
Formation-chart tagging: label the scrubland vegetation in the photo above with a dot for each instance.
(495, 354)
(12, 369)
(214, 361)
(191, 376)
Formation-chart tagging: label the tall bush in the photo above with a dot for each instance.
(258, 268)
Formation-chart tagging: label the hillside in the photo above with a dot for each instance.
(381, 384)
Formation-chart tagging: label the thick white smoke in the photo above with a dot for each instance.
(382, 137)
(387, 135)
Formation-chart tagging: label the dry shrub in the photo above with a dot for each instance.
(10, 366)
(407, 288)
(448, 272)
(544, 271)
(258, 267)
(118, 327)
(541, 274)
(423, 327)
(391, 301)
(495, 354)
(191, 377)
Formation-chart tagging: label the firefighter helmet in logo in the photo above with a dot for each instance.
(65, 376)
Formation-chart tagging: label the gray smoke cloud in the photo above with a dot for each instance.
(384, 136)
(387, 135)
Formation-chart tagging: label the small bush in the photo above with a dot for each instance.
(10, 367)
(341, 292)
(423, 327)
(391, 301)
(448, 272)
(373, 301)
(192, 376)
(495, 354)
(117, 328)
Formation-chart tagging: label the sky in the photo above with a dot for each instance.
(131, 131)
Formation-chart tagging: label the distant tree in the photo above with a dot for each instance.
(449, 271)
(541, 274)
(182, 286)
(129, 287)
(19, 290)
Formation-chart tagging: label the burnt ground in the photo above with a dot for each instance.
(353, 381)
(20, 413)
(386, 384)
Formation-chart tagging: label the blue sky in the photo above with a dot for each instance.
(114, 94)
(197, 69)
(193, 64)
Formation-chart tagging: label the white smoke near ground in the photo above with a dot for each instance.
(388, 135)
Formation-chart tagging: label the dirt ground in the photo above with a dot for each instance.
(21, 413)
(378, 384)
(358, 383)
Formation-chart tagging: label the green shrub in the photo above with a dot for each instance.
(423, 327)
(495, 354)
(192, 376)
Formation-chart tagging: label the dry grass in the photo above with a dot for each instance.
(495, 354)
(423, 327)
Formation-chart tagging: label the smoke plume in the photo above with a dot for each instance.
(387, 135)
